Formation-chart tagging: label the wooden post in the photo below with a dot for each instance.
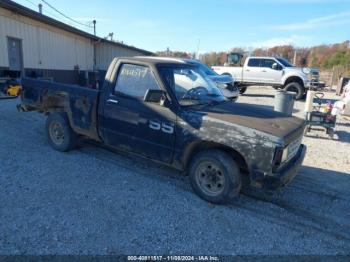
(332, 79)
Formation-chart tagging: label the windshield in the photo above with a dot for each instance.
(206, 69)
(284, 62)
(191, 85)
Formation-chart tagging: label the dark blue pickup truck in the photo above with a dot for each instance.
(168, 110)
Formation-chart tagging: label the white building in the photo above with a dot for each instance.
(35, 45)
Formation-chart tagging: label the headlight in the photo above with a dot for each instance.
(291, 150)
(277, 158)
(221, 85)
(284, 155)
(281, 155)
(306, 70)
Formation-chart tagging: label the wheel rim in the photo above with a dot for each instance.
(56, 131)
(242, 90)
(210, 178)
(293, 89)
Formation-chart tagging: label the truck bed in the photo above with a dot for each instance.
(79, 103)
(235, 72)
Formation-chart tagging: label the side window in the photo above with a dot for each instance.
(135, 80)
(267, 63)
(254, 62)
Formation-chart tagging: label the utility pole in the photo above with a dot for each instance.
(94, 22)
(95, 43)
(295, 57)
(111, 35)
(40, 8)
(199, 43)
(168, 51)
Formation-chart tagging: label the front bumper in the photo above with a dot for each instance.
(230, 95)
(311, 84)
(283, 175)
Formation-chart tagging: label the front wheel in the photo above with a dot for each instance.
(59, 132)
(215, 176)
(242, 90)
(296, 88)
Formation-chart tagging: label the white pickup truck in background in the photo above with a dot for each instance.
(271, 71)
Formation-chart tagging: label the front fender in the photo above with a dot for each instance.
(256, 148)
(293, 76)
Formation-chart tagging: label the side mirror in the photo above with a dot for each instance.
(155, 96)
(276, 66)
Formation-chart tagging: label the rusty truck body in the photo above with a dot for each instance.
(167, 110)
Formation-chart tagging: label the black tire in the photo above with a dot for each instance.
(59, 132)
(330, 132)
(231, 87)
(242, 90)
(296, 88)
(215, 176)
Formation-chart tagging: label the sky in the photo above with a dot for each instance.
(208, 25)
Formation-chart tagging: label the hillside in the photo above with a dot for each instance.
(333, 60)
(322, 56)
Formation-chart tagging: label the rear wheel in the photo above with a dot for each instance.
(231, 87)
(242, 90)
(330, 132)
(215, 176)
(59, 133)
(296, 88)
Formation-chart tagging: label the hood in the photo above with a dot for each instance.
(301, 70)
(296, 69)
(259, 118)
(221, 79)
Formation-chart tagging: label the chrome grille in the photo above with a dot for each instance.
(314, 76)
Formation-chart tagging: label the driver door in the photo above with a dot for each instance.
(134, 125)
(268, 74)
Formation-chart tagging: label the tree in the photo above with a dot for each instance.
(322, 56)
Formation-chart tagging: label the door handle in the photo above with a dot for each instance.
(264, 70)
(247, 70)
(112, 101)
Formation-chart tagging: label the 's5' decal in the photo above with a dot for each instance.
(161, 126)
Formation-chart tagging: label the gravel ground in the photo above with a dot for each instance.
(323, 152)
(93, 201)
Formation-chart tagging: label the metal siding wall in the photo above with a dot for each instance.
(106, 52)
(55, 48)
(59, 51)
(27, 33)
(3, 44)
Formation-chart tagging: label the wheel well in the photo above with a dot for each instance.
(205, 145)
(64, 115)
(294, 79)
